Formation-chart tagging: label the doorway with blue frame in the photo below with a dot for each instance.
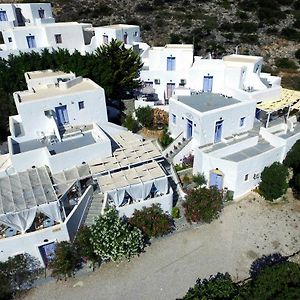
(218, 131)
(62, 117)
(189, 128)
(216, 179)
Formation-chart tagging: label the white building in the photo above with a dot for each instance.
(173, 66)
(31, 27)
(25, 14)
(62, 147)
(58, 123)
(230, 146)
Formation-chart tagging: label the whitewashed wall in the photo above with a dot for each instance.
(204, 130)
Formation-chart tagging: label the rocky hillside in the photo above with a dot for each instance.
(270, 28)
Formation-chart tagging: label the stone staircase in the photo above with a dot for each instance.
(176, 148)
(95, 208)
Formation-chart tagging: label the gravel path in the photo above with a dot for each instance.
(245, 231)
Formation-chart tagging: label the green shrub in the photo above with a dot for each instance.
(285, 63)
(64, 261)
(175, 212)
(152, 221)
(274, 181)
(165, 139)
(145, 116)
(297, 54)
(199, 179)
(114, 239)
(203, 204)
(131, 124)
(219, 286)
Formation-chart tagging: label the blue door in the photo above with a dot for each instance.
(218, 131)
(170, 63)
(257, 113)
(62, 115)
(189, 124)
(47, 252)
(216, 180)
(31, 41)
(3, 16)
(207, 83)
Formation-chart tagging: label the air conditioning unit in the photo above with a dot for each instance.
(157, 81)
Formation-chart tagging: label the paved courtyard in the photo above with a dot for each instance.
(245, 231)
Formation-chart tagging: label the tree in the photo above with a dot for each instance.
(84, 245)
(17, 273)
(145, 116)
(165, 138)
(131, 124)
(203, 204)
(117, 69)
(280, 281)
(292, 159)
(113, 238)
(152, 221)
(219, 286)
(64, 261)
(274, 181)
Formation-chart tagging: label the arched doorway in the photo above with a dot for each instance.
(216, 179)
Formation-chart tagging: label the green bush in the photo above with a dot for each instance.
(65, 260)
(84, 245)
(145, 116)
(175, 212)
(279, 281)
(219, 286)
(292, 159)
(199, 179)
(131, 124)
(17, 273)
(297, 54)
(203, 204)
(165, 139)
(152, 221)
(285, 63)
(114, 239)
(274, 181)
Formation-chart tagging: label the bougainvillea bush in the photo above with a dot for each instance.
(203, 204)
(152, 221)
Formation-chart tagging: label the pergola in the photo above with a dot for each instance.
(136, 181)
(289, 99)
(24, 194)
(131, 150)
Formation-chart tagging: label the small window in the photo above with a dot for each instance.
(173, 119)
(9, 39)
(135, 33)
(58, 38)
(41, 13)
(246, 177)
(242, 122)
(81, 105)
(156, 81)
(105, 39)
(3, 16)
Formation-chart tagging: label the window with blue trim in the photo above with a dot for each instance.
(173, 119)
(81, 105)
(170, 63)
(242, 122)
(3, 15)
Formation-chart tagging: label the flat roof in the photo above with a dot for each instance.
(53, 90)
(241, 58)
(204, 102)
(116, 26)
(46, 73)
(261, 147)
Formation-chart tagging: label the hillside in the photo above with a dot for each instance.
(270, 28)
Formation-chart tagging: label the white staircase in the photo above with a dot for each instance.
(95, 209)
